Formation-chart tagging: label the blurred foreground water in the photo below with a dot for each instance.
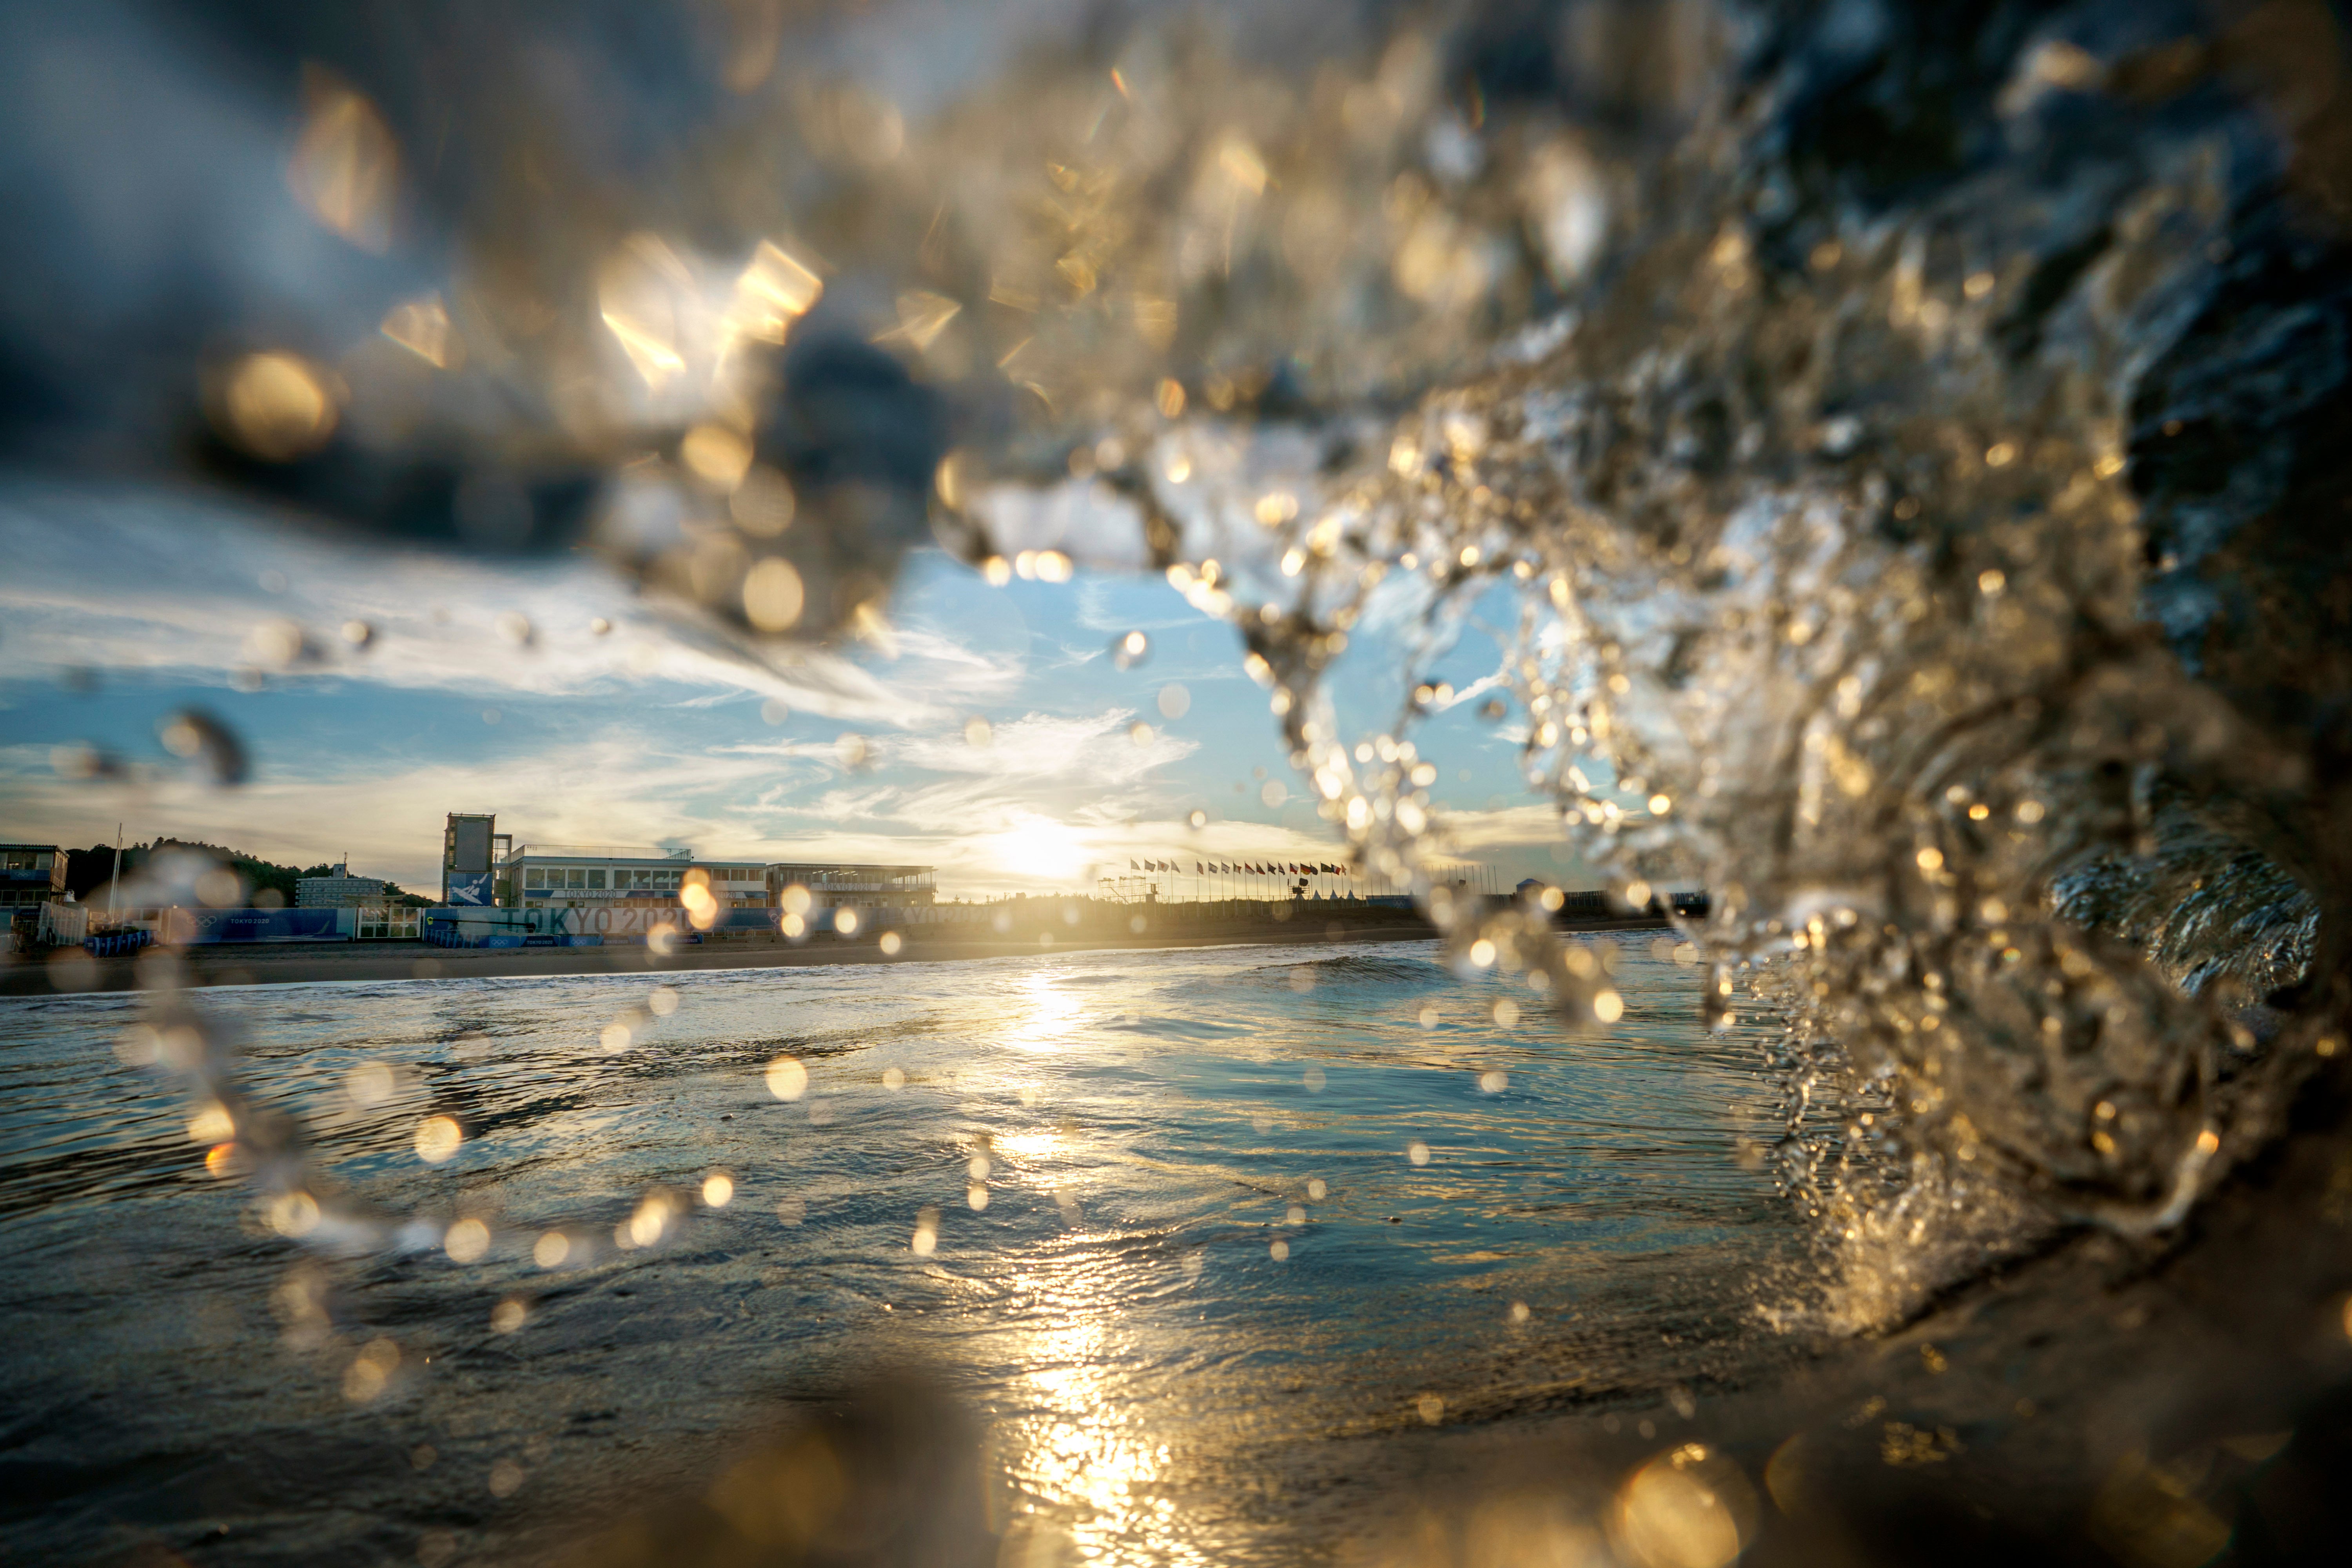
(1240, 1206)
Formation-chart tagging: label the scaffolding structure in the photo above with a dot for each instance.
(1192, 880)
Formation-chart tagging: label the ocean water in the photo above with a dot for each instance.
(1248, 1211)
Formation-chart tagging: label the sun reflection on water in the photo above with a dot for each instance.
(1090, 1476)
(1028, 1145)
(1053, 1013)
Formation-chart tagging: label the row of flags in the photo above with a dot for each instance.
(1268, 869)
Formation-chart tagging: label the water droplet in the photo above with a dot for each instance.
(197, 736)
(437, 1138)
(277, 406)
(467, 1241)
(773, 595)
(1690, 1508)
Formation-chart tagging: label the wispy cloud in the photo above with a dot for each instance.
(173, 585)
(1099, 610)
(1097, 748)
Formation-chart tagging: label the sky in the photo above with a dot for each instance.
(121, 607)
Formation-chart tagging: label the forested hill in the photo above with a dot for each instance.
(87, 870)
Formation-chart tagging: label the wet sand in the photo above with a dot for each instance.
(70, 970)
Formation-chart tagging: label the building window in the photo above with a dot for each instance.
(597, 876)
(577, 877)
(536, 877)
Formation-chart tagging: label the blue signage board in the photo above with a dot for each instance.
(469, 888)
(198, 926)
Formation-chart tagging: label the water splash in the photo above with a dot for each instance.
(1825, 521)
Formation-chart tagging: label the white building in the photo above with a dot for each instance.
(341, 891)
(31, 875)
(593, 875)
(838, 886)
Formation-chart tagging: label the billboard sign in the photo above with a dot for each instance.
(468, 859)
(469, 843)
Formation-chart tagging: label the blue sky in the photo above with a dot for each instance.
(120, 608)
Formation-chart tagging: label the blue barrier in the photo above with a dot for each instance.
(620, 925)
(114, 943)
(204, 927)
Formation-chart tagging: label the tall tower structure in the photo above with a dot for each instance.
(468, 865)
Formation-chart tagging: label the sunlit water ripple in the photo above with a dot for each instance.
(1157, 1378)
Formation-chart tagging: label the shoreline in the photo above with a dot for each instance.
(71, 971)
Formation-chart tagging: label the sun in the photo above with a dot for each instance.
(1040, 849)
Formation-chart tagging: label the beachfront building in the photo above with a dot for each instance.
(341, 891)
(30, 875)
(832, 886)
(592, 876)
(602, 876)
